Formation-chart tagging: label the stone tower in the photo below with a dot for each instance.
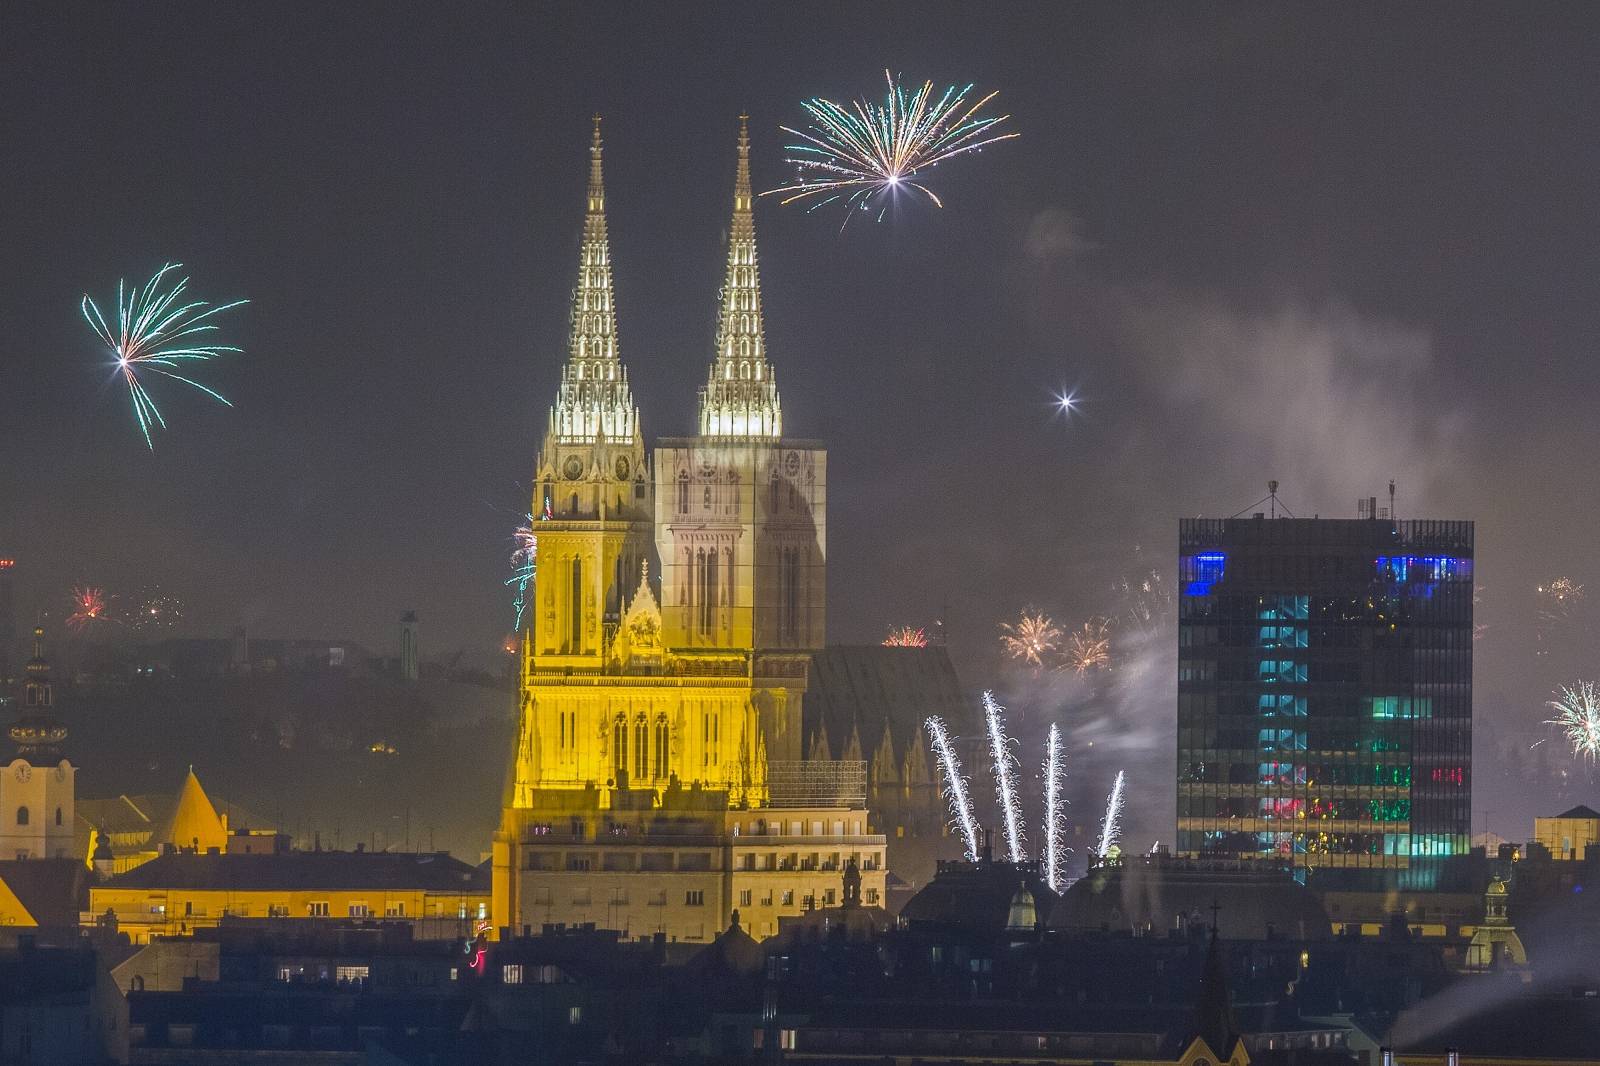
(38, 787)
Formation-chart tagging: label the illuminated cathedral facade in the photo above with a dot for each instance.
(678, 599)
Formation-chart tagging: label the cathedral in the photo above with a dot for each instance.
(660, 782)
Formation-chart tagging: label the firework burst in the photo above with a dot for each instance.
(156, 611)
(860, 154)
(161, 333)
(1558, 598)
(1005, 782)
(1111, 828)
(1578, 715)
(1031, 639)
(906, 637)
(1089, 647)
(1055, 816)
(955, 786)
(89, 603)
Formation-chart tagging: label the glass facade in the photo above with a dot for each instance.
(1325, 695)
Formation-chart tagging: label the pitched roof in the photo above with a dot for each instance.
(307, 871)
(863, 690)
(52, 890)
(1580, 811)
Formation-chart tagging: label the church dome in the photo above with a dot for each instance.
(984, 896)
(1161, 894)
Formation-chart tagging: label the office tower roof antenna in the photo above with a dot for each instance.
(1271, 500)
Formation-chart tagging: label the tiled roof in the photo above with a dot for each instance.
(1580, 811)
(53, 890)
(306, 871)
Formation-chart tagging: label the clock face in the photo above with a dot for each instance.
(622, 468)
(24, 772)
(573, 468)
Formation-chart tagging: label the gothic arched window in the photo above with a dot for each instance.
(619, 743)
(575, 620)
(58, 815)
(683, 492)
(661, 747)
(22, 816)
(641, 749)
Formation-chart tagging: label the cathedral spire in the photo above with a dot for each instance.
(741, 397)
(594, 400)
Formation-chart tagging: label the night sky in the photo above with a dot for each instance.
(1329, 247)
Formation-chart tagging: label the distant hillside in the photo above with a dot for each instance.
(349, 757)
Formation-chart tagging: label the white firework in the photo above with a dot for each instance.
(1055, 815)
(1111, 830)
(955, 786)
(1005, 784)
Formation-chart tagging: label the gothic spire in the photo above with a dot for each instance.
(741, 397)
(594, 399)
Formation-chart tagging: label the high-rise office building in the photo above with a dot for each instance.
(1325, 695)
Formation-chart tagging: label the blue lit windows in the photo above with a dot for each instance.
(1274, 671)
(1199, 573)
(1280, 705)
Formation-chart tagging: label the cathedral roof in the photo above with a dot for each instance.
(878, 695)
(741, 395)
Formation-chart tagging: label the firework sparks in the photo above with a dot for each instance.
(906, 637)
(1055, 815)
(1578, 715)
(1005, 783)
(859, 155)
(89, 605)
(524, 562)
(156, 611)
(1031, 638)
(1111, 828)
(1146, 599)
(1089, 647)
(159, 333)
(1558, 598)
(955, 786)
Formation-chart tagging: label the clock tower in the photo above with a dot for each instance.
(38, 786)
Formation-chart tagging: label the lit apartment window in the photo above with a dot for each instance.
(574, 1015)
(511, 973)
(694, 897)
(394, 910)
(318, 909)
(360, 910)
(277, 910)
(483, 911)
(745, 896)
(346, 974)
(788, 897)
